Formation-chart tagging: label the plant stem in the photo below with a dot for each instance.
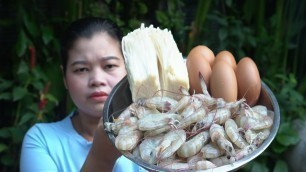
(260, 15)
(196, 28)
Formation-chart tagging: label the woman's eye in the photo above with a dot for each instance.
(110, 66)
(81, 70)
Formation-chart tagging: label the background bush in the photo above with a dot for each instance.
(270, 32)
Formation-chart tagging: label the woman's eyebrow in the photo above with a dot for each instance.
(110, 58)
(78, 62)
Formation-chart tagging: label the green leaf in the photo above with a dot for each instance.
(4, 84)
(8, 160)
(222, 21)
(17, 134)
(33, 107)
(31, 26)
(143, 9)
(134, 23)
(23, 67)
(278, 148)
(25, 118)
(252, 41)
(5, 133)
(280, 166)
(19, 93)
(51, 98)
(161, 16)
(287, 136)
(21, 44)
(229, 3)
(47, 34)
(38, 85)
(223, 34)
(108, 1)
(259, 167)
(3, 147)
(287, 139)
(5, 96)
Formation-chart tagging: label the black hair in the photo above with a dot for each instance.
(86, 28)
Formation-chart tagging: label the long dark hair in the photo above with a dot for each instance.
(86, 28)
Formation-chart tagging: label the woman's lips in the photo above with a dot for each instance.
(98, 96)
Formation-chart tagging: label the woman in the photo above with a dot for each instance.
(92, 65)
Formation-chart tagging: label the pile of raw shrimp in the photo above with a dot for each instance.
(198, 132)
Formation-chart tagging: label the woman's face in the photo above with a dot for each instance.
(94, 67)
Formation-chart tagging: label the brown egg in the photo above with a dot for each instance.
(248, 80)
(227, 57)
(223, 83)
(204, 52)
(197, 64)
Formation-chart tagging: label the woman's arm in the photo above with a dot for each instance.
(103, 155)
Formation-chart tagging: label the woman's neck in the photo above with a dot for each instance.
(85, 125)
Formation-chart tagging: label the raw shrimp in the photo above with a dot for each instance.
(222, 160)
(126, 113)
(260, 109)
(128, 137)
(171, 142)
(127, 129)
(191, 108)
(256, 138)
(148, 150)
(210, 101)
(175, 166)
(241, 121)
(244, 152)
(256, 124)
(236, 106)
(183, 102)
(141, 111)
(193, 118)
(216, 131)
(217, 135)
(218, 116)
(226, 145)
(206, 97)
(221, 115)
(233, 133)
(195, 158)
(161, 103)
(203, 165)
(114, 127)
(211, 150)
(203, 86)
(158, 131)
(253, 114)
(128, 141)
(156, 121)
(193, 146)
(253, 123)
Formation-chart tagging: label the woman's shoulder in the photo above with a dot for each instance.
(51, 128)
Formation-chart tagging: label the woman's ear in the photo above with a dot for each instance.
(64, 77)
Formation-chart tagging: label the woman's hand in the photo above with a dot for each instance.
(103, 155)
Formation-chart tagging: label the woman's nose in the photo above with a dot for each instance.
(97, 79)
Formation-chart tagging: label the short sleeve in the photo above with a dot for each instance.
(34, 153)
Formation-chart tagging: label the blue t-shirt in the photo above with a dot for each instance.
(58, 147)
